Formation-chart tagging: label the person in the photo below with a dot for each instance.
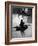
(21, 24)
(22, 27)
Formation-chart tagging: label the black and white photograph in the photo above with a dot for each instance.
(22, 24)
(21, 21)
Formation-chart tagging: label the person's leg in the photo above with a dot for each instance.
(22, 33)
